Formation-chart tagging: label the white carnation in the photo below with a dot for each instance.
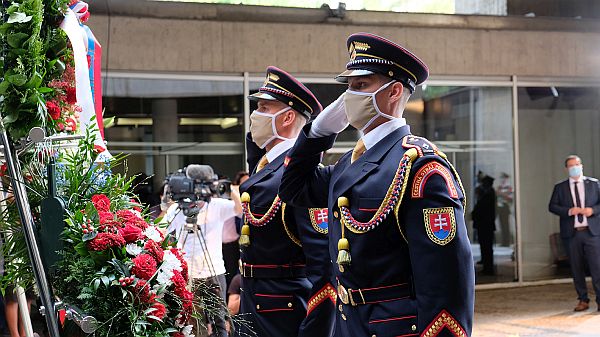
(187, 331)
(133, 249)
(153, 234)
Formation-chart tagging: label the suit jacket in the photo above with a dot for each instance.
(403, 248)
(294, 306)
(562, 201)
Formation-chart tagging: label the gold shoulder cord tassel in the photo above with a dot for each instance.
(344, 258)
(245, 235)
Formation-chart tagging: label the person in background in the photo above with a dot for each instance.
(231, 234)
(504, 193)
(576, 201)
(484, 220)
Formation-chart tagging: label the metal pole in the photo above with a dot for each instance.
(20, 194)
(517, 181)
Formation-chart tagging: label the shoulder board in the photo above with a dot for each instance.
(592, 179)
(423, 146)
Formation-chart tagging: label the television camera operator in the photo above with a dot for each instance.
(196, 216)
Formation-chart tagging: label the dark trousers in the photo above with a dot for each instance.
(584, 247)
(486, 244)
(504, 217)
(231, 256)
(209, 293)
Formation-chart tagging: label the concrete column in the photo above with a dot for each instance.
(164, 129)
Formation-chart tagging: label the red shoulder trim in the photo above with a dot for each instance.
(428, 170)
(444, 320)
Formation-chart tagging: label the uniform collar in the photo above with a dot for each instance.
(280, 148)
(380, 132)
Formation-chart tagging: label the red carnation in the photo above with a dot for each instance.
(187, 298)
(71, 123)
(3, 169)
(177, 334)
(179, 283)
(144, 266)
(128, 216)
(71, 95)
(184, 266)
(101, 202)
(154, 249)
(131, 233)
(159, 312)
(53, 110)
(103, 241)
(142, 292)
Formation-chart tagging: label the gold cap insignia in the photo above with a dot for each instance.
(352, 51)
(273, 77)
(361, 46)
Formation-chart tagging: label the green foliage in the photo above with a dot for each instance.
(32, 43)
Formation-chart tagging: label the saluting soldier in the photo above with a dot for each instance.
(286, 285)
(402, 258)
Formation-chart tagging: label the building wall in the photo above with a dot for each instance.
(495, 46)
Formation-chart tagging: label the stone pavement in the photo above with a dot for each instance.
(534, 311)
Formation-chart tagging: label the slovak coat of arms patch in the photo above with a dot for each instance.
(440, 224)
(319, 219)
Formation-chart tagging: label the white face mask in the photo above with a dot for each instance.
(263, 129)
(362, 109)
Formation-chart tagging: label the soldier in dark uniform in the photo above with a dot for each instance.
(285, 265)
(398, 239)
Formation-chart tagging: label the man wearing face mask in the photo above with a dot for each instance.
(398, 239)
(286, 288)
(577, 202)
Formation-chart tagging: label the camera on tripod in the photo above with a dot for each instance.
(195, 183)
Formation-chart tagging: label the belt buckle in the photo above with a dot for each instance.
(342, 294)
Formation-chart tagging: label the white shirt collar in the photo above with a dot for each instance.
(280, 148)
(572, 181)
(380, 132)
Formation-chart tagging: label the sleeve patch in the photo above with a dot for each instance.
(428, 170)
(319, 219)
(327, 292)
(444, 320)
(422, 145)
(440, 224)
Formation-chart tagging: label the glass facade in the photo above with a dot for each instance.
(167, 122)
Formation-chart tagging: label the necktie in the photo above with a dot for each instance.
(578, 202)
(359, 149)
(262, 163)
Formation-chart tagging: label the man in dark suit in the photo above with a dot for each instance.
(484, 221)
(398, 239)
(577, 202)
(286, 288)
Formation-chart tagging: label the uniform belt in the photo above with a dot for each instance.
(581, 229)
(356, 297)
(271, 271)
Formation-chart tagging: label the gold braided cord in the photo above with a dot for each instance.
(404, 184)
(287, 230)
(260, 221)
(387, 198)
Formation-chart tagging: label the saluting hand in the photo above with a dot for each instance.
(331, 120)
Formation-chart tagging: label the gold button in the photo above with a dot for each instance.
(291, 103)
(257, 306)
(341, 308)
(413, 328)
(290, 305)
(374, 336)
(336, 214)
(343, 317)
(391, 73)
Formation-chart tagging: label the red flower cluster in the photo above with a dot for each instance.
(53, 110)
(184, 266)
(142, 292)
(131, 233)
(144, 266)
(159, 312)
(71, 95)
(104, 241)
(101, 203)
(155, 250)
(130, 217)
(179, 283)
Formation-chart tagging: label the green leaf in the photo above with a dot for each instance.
(18, 17)
(35, 81)
(96, 284)
(17, 79)
(89, 236)
(45, 90)
(4, 86)
(105, 280)
(16, 40)
(10, 118)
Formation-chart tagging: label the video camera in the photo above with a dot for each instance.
(195, 183)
